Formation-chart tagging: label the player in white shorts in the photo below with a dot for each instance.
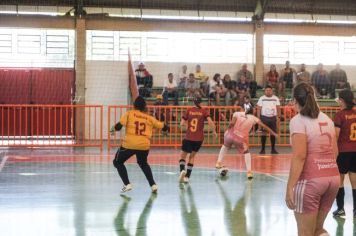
(237, 135)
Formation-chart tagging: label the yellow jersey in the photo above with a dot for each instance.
(201, 76)
(139, 128)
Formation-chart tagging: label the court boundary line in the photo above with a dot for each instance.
(3, 162)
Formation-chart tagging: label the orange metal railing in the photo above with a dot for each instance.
(51, 125)
(221, 115)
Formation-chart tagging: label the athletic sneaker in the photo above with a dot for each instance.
(126, 188)
(262, 151)
(182, 176)
(154, 188)
(249, 175)
(274, 151)
(339, 212)
(186, 180)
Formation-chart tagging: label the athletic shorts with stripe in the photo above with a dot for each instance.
(315, 194)
(231, 139)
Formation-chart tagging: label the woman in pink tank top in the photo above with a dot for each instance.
(313, 179)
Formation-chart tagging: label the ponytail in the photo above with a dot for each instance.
(305, 96)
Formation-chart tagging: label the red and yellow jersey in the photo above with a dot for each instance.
(346, 121)
(139, 128)
(195, 118)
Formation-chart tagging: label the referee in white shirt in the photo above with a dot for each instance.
(269, 112)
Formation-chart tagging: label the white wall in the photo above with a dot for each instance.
(106, 84)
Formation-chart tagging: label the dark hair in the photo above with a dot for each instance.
(191, 74)
(268, 86)
(140, 104)
(216, 76)
(170, 74)
(348, 97)
(304, 95)
(197, 101)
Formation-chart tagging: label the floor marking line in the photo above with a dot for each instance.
(275, 177)
(3, 161)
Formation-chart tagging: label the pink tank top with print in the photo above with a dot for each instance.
(321, 159)
(244, 124)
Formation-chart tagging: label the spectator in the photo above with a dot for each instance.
(202, 78)
(272, 79)
(303, 75)
(338, 80)
(243, 88)
(230, 86)
(144, 80)
(321, 81)
(216, 89)
(249, 78)
(192, 87)
(269, 112)
(170, 90)
(287, 76)
(159, 112)
(183, 76)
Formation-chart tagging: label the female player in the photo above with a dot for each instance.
(345, 128)
(314, 177)
(194, 120)
(139, 126)
(237, 135)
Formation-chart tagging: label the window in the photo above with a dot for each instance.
(303, 49)
(5, 43)
(175, 47)
(278, 49)
(311, 50)
(36, 47)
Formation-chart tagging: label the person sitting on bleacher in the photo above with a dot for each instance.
(192, 87)
(170, 90)
(216, 88)
(183, 76)
(202, 78)
(231, 93)
(144, 80)
(272, 79)
(243, 88)
(249, 78)
(303, 75)
(321, 81)
(338, 80)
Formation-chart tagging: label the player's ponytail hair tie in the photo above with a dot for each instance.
(304, 94)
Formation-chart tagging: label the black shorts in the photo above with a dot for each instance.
(189, 146)
(271, 122)
(346, 161)
(123, 154)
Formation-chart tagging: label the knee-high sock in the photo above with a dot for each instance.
(263, 141)
(340, 198)
(248, 161)
(181, 165)
(222, 153)
(273, 141)
(189, 169)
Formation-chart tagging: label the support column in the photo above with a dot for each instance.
(80, 59)
(259, 55)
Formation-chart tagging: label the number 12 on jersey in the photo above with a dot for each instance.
(140, 128)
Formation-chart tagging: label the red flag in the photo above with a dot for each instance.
(132, 79)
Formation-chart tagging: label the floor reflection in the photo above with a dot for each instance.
(189, 211)
(234, 215)
(141, 226)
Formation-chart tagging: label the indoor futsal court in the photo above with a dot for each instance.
(104, 103)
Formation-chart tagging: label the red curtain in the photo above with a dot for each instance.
(36, 86)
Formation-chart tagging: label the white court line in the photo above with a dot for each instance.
(3, 161)
(275, 177)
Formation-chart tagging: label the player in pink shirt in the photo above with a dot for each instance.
(237, 135)
(314, 177)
